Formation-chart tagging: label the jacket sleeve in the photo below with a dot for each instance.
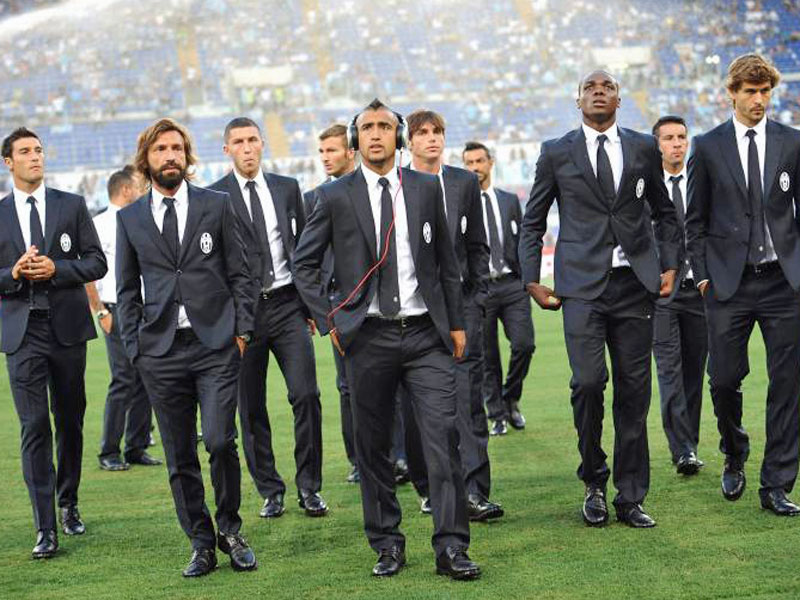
(534, 222)
(667, 230)
(449, 270)
(698, 189)
(91, 262)
(477, 247)
(238, 272)
(129, 291)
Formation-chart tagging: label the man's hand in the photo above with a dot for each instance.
(544, 296)
(312, 327)
(459, 338)
(703, 286)
(106, 323)
(24, 260)
(39, 268)
(336, 343)
(667, 282)
(240, 344)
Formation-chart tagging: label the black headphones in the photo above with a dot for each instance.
(401, 138)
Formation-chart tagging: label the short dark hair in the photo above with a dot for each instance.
(335, 130)
(376, 105)
(18, 134)
(239, 122)
(476, 146)
(669, 119)
(420, 117)
(119, 179)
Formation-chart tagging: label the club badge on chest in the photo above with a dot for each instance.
(66, 242)
(206, 243)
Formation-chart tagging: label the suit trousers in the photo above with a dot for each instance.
(345, 407)
(621, 318)
(766, 299)
(473, 428)
(128, 410)
(680, 348)
(188, 375)
(383, 355)
(509, 303)
(41, 362)
(281, 328)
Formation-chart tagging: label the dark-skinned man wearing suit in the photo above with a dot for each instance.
(610, 265)
(398, 319)
(186, 331)
(680, 336)
(269, 209)
(337, 160)
(744, 242)
(462, 206)
(48, 250)
(507, 300)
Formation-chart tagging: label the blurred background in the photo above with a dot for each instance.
(89, 75)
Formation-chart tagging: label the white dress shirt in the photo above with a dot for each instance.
(743, 143)
(159, 208)
(682, 186)
(497, 219)
(106, 225)
(280, 264)
(613, 148)
(24, 212)
(411, 302)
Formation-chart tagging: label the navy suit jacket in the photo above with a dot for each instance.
(511, 218)
(326, 271)
(212, 280)
(718, 215)
(590, 227)
(72, 244)
(342, 219)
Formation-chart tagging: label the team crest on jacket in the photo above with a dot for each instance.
(294, 226)
(66, 242)
(513, 227)
(206, 243)
(463, 224)
(426, 232)
(640, 188)
(784, 181)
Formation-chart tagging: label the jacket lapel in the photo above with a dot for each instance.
(145, 215)
(239, 206)
(451, 196)
(730, 154)
(194, 214)
(771, 161)
(281, 212)
(580, 157)
(627, 159)
(9, 217)
(359, 197)
(413, 211)
(505, 220)
(52, 212)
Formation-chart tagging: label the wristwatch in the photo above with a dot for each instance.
(102, 314)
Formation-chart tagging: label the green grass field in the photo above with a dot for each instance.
(703, 547)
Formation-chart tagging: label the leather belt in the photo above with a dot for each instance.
(402, 322)
(39, 313)
(284, 290)
(688, 284)
(762, 268)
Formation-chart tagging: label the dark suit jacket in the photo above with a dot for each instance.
(343, 219)
(71, 243)
(590, 227)
(683, 259)
(288, 203)
(215, 287)
(511, 218)
(326, 271)
(718, 215)
(465, 222)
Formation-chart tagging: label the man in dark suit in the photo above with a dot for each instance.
(743, 238)
(462, 206)
(608, 271)
(680, 337)
(48, 251)
(337, 160)
(507, 299)
(269, 209)
(186, 331)
(397, 320)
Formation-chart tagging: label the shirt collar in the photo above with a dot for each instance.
(259, 178)
(372, 178)
(491, 192)
(21, 197)
(667, 174)
(112, 208)
(741, 129)
(612, 133)
(439, 173)
(181, 196)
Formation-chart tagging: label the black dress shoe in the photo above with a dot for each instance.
(46, 544)
(354, 476)
(455, 563)
(499, 428)
(273, 507)
(71, 521)
(234, 545)
(390, 561)
(481, 509)
(633, 515)
(733, 479)
(776, 501)
(401, 475)
(688, 464)
(143, 459)
(425, 505)
(515, 417)
(203, 561)
(312, 503)
(595, 509)
(113, 463)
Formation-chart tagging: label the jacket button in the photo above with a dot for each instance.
(179, 272)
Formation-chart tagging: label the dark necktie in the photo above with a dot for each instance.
(260, 225)
(677, 197)
(605, 176)
(37, 296)
(169, 229)
(755, 195)
(496, 251)
(388, 286)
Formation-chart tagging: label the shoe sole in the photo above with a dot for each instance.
(464, 576)
(66, 532)
(315, 514)
(113, 469)
(43, 555)
(280, 514)
(487, 516)
(733, 497)
(239, 568)
(196, 575)
(688, 470)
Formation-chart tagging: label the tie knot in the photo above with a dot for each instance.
(675, 178)
(751, 133)
(384, 182)
(250, 185)
(485, 196)
(170, 202)
(31, 200)
(602, 139)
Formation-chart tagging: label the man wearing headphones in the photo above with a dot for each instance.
(397, 318)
